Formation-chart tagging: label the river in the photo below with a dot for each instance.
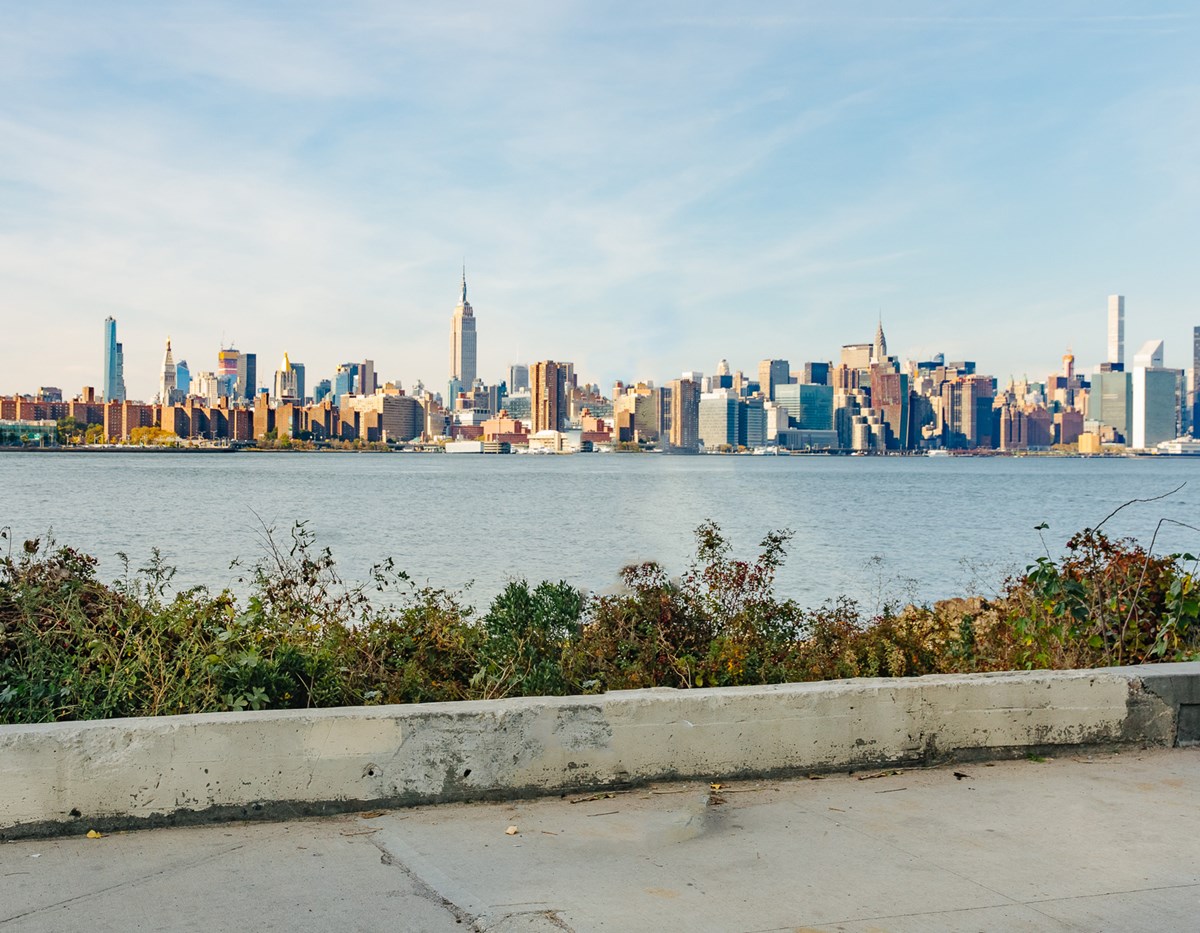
(872, 528)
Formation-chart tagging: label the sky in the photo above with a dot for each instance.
(640, 188)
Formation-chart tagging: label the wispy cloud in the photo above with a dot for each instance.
(643, 191)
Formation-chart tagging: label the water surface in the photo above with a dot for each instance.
(864, 526)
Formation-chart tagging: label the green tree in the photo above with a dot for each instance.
(70, 431)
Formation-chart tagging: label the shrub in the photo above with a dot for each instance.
(719, 624)
(72, 647)
(525, 634)
(1106, 602)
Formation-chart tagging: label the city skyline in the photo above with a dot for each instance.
(870, 401)
(638, 191)
(238, 364)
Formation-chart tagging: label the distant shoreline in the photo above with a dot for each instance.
(154, 450)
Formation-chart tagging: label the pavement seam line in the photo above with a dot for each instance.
(1032, 905)
(122, 884)
(1083, 897)
(917, 913)
(423, 889)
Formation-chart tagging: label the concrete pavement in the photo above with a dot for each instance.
(1079, 842)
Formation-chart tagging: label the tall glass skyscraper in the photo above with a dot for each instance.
(247, 377)
(114, 364)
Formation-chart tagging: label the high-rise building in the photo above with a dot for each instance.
(890, 397)
(1155, 394)
(718, 419)
(462, 340)
(1110, 402)
(808, 407)
(183, 378)
(298, 369)
(685, 415)
(114, 363)
(167, 391)
(816, 374)
(1150, 356)
(367, 383)
(965, 411)
(548, 391)
(387, 417)
(752, 422)
(344, 382)
(285, 381)
(246, 386)
(879, 348)
(1192, 426)
(207, 387)
(228, 360)
(857, 355)
(772, 373)
(641, 413)
(1116, 329)
(518, 378)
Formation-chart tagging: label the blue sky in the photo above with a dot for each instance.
(641, 188)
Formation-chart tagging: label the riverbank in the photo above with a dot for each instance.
(302, 447)
(73, 647)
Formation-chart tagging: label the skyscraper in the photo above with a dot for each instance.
(167, 381)
(114, 364)
(890, 397)
(548, 389)
(183, 378)
(685, 415)
(1110, 402)
(228, 361)
(809, 407)
(367, 383)
(1116, 329)
(518, 378)
(344, 382)
(247, 377)
(857, 355)
(1192, 426)
(772, 373)
(717, 419)
(879, 348)
(462, 340)
(1155, 397)
(285, 381)
(816, 374)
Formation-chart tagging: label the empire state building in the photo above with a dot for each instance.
(462, 340)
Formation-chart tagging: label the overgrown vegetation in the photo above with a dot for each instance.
(72, 647)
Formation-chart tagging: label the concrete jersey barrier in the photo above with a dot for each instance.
(69, 777)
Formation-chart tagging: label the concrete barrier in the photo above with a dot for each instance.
(69, 777)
